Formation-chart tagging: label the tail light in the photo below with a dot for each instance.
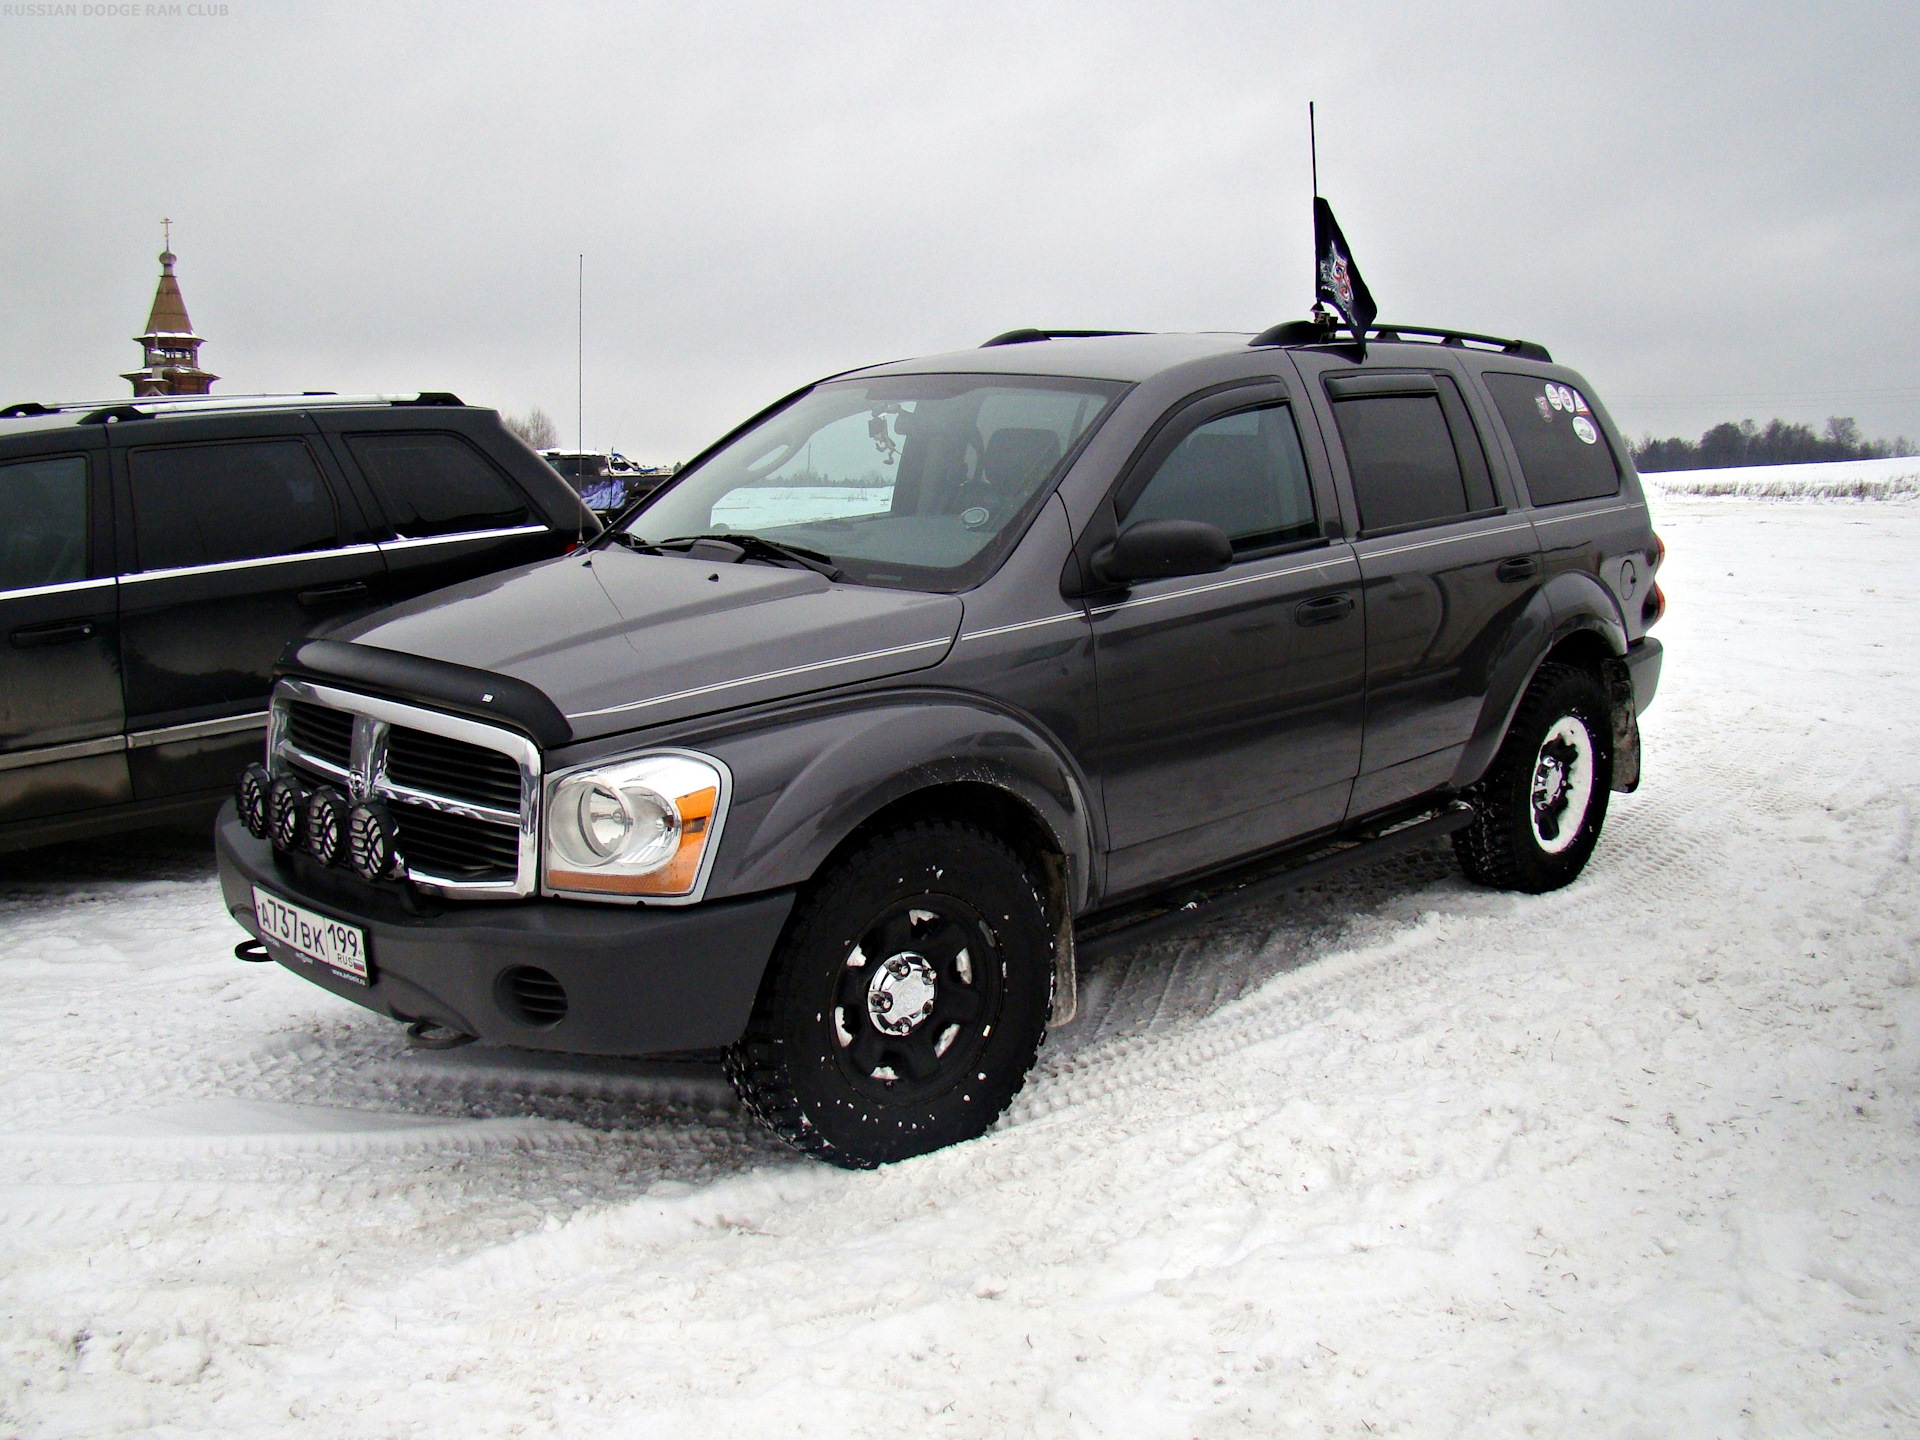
(1655, 607)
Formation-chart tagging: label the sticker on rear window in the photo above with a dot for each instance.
(1583, 427)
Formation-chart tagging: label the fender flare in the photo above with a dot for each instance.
(1570, 603)
(801, 786)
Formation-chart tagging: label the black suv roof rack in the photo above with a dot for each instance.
(1309, 332)
(1024, 337)
(150, 407)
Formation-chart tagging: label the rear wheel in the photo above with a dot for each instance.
(906, 1001)
(1544, 799)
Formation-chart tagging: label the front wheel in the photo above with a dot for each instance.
(1544, 799)
(906, 1001)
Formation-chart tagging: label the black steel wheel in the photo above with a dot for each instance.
(1544, 798)
(906, 1000)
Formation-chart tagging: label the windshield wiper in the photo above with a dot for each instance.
(759, 548)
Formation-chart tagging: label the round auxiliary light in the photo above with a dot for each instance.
(327, 825)
(286, 813)
(373, 843)
(250, 799)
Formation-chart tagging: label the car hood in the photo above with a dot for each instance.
(618, 640)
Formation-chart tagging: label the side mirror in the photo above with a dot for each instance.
(1162, 549)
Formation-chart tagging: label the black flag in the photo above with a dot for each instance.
(1336, 279)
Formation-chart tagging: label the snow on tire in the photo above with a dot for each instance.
(907, 999)
(1543, 800)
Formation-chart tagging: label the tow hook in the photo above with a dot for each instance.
(251, 951)
(428, 1035)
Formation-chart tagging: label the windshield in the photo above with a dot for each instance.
(910, 480)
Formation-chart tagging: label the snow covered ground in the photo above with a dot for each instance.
(1397, 1156)
(1897, 478)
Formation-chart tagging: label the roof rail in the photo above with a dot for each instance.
(1307, 332)
(26, 407)
(431, 397)
(108, 414)
(1023, 337)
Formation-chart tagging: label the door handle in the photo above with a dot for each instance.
(1518, 568)
(1324, 610)
(331, 594)
(59, 632)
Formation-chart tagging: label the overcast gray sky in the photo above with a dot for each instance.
(1710, 210)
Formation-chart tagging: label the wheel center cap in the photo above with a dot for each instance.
(901, 993)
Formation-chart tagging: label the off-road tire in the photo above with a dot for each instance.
(1503, 848)
(796, 1068)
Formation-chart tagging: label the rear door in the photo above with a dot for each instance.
(1447, 559)
(235, 540)
(62, 741)
(450, 511)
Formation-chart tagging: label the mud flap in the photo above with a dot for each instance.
(1626, 726)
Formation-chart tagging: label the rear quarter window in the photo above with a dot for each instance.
(437, 484)
(1563, 452)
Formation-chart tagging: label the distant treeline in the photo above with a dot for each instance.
(1779, 443)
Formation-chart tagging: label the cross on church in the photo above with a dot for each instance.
(166, 230)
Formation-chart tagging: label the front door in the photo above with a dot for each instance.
(1230, 704)
(62, 747)
(237, 547)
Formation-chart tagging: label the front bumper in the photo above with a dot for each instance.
(638, 981)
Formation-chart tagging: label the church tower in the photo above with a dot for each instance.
(172, 349)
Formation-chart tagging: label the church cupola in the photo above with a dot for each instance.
(171, 348)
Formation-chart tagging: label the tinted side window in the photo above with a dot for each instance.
(203, 504)
(43, 522)
(1243, 473)
(1563, 453)
(437, 484)
(1401, 455)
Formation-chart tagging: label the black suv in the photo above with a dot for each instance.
(157, 555)
(933, 677)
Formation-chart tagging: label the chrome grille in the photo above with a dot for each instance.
(452, 767)
(464, 795)
(320, 732)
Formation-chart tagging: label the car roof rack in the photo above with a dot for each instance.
(151, 407)
(1309, 332)
(1025, 337)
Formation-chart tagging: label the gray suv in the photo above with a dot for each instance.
(839, 752)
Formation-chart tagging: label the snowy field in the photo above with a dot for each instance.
(1893, 479)
(1394, 1157)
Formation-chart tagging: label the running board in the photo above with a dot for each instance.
(1410, 836)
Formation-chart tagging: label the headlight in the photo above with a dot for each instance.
(641, 827)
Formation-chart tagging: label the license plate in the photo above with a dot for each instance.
(341, 948)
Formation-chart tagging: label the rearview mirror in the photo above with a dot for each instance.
(1162, 549)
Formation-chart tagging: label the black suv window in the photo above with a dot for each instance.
(1563, 453)
(1242, 472)
(437, 484)
(1413, 455)
(43, 522)
(204, 504)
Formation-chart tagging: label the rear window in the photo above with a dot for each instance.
(1563, 452)
(207, 504)
(437, 485)
(1401, 456)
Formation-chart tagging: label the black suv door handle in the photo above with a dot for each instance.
(60, 632)
(1324, 610)
(1520, 567)
(331, 594)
